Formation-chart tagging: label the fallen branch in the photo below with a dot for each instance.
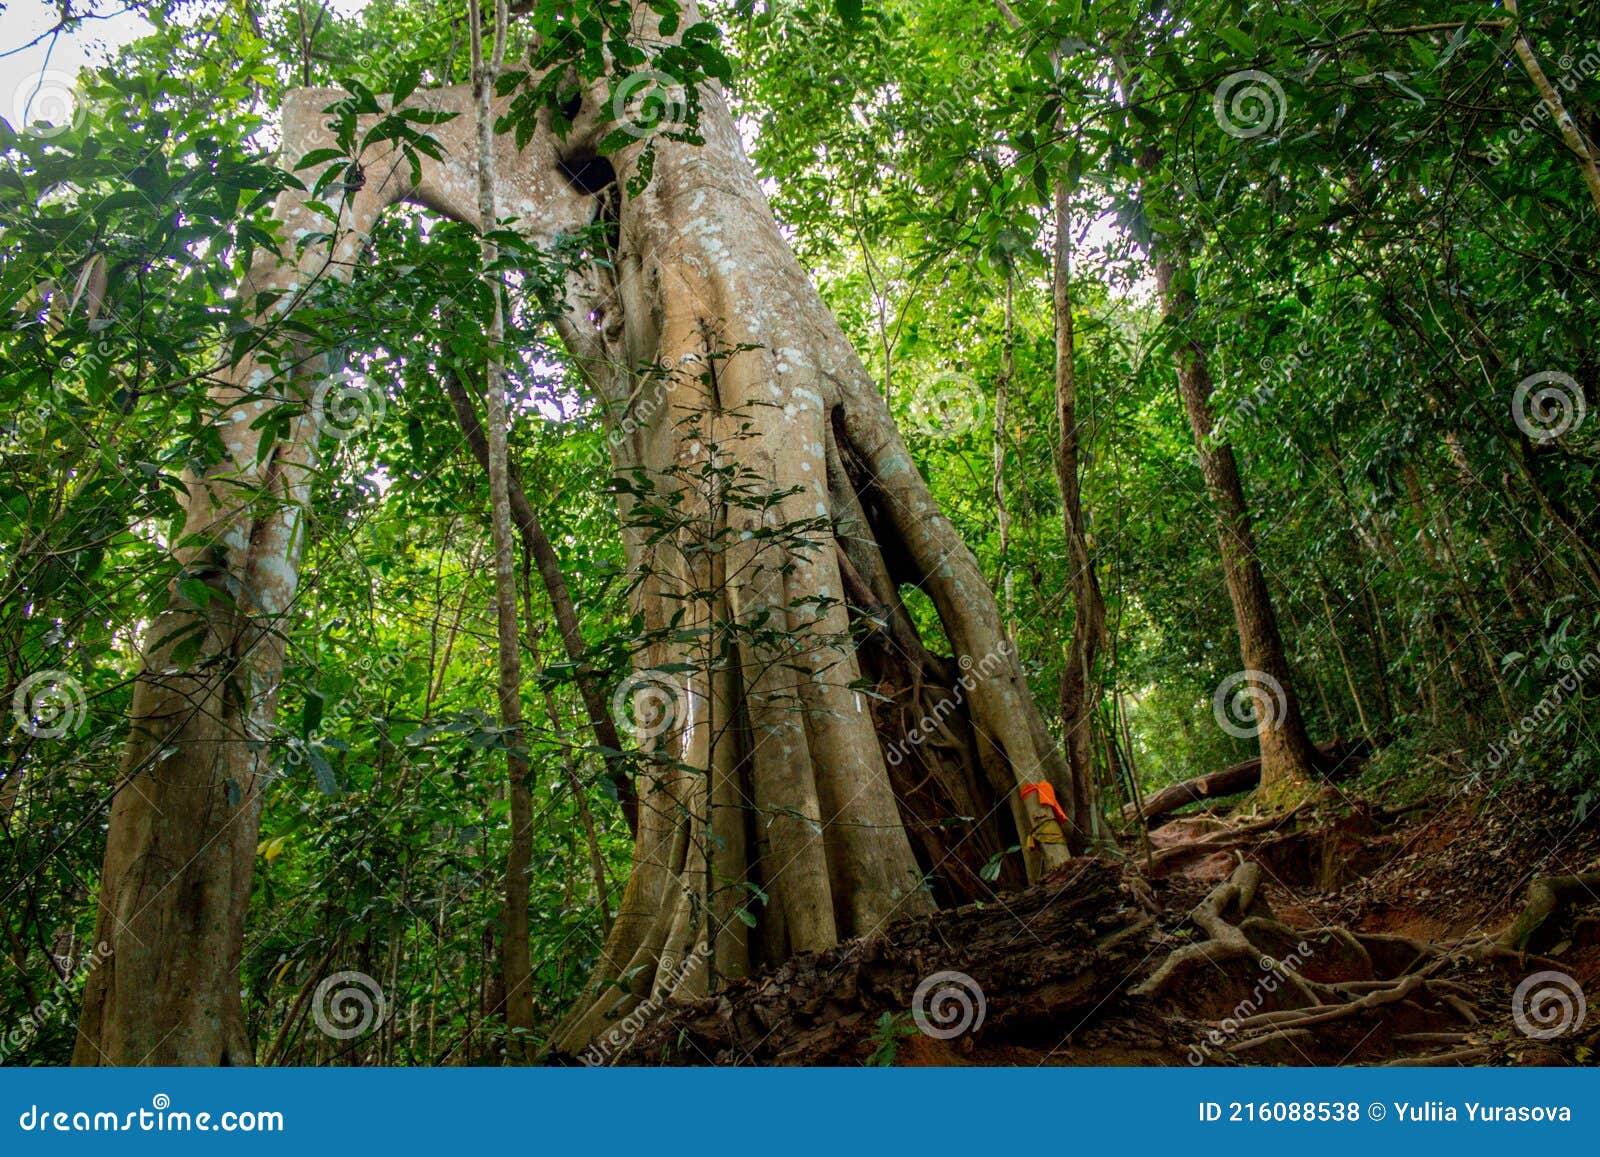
(1336, 760)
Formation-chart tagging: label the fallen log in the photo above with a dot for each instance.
(1336, 759)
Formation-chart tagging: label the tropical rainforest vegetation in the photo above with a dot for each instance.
(518, 524)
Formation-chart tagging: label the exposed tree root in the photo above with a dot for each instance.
(1225, 837)
(1545, 895)
(1040, 963)
(1092, 967)
(1454, 1057)
(1400, 971)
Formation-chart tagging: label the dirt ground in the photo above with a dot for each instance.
(1341, 933)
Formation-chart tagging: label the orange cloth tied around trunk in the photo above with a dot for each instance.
(1047, 797)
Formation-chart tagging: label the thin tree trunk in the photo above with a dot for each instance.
(1571, 135)
(1344, 659)
(1287, 757)
(1002, 392)
(538, 545)
(516, 963)
(1080, 684)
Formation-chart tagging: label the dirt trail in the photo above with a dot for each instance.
(1341, 933)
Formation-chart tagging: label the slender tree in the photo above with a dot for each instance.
(1287, 755)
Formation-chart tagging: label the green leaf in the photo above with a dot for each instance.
(406, 83)
(327, 782)
(319, 157)
(311, 712)
(1239, 41)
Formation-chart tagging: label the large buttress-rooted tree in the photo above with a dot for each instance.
(822, 772)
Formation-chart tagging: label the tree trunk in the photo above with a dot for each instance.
(708, 344)
(186, 809)
(180, 849)
(1080, 683)
(516, 965)
(779, 792)
(1286, 752)
(1337, 759)
(537, 546)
